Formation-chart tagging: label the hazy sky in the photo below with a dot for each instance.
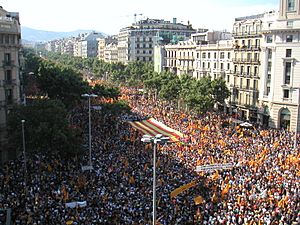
(109, 16)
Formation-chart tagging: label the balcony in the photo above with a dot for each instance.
(8, 63)
(8, 103)
(237, 47)
(245, 34)
(9, 83)
(245, 61)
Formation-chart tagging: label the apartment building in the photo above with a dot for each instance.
(10, 71)
(180, 57)
(111, 53)
(89, 46)
(247, 38)
(200, 56)
(280, 81)
(136, 42)
(102, 43)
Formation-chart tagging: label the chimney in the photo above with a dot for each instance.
(174, 20)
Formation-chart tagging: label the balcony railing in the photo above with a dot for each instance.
(12, 82)
(246, 61)
(247, 34)
(8, 102)
(7, 63)
(246, 47)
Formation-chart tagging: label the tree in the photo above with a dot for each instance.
(106, 91)
(219, 90)
(60, 82)
(46, 128)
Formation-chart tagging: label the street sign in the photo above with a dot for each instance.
(84, 168)
(212, 167)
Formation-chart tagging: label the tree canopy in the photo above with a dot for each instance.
(46, 128)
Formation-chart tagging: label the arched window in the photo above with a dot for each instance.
(285, 117)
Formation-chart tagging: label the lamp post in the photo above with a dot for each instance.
(24, 154)
(89, 96)
(297, 118)
(159, 138)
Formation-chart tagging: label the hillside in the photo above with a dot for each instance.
(33, 35)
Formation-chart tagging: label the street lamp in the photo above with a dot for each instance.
(24, 153)
(89, 96)
(297, 118)
(159, 138)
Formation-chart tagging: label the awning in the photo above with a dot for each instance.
(153, 127)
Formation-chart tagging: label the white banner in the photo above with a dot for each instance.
(75, 204)
(212, 167)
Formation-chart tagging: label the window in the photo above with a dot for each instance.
(247, 83)
(235, 69)
(215, 65)
(241, 82)
(289, 23)
(208, 65)
(228, 66)
(8, 75)
(222, 55)
(204, 55)
(291, 5)
(248, 70)
(228, 78)
(255, 84)
(255, 71)
(269, 39)
(197, 55)
(7, 57)
(287, 73)
(288, 53)
(289, 38)
(215, 55)
(222, 66)
(6, 39)
(228, 55)
(9, 95)
(286, 93)
(208, 55)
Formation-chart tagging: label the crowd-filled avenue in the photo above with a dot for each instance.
(262, 188)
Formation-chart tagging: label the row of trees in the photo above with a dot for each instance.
(53, 91)
(199, 95)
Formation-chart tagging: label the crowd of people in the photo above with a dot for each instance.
(261, 188)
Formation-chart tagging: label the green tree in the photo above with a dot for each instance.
(219, 91)
(46, 128)
(106, 91)
(60, 82)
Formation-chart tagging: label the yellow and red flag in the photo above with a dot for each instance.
(153, 127)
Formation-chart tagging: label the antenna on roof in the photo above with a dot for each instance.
(140, 14)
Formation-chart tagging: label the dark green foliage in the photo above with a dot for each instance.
(46, 128)
(106, 91)
(60, 82)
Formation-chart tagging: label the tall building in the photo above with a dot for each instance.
(90, 45)
(280, 85)
(136, 42)
(10, 70)
(247, 38)
(102, 43)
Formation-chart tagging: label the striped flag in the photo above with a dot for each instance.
(153, 127)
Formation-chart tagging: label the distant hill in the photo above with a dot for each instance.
(33, 35)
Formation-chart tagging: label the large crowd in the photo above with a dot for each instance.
(261, 188)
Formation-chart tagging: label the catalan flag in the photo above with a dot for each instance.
(153, 127)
